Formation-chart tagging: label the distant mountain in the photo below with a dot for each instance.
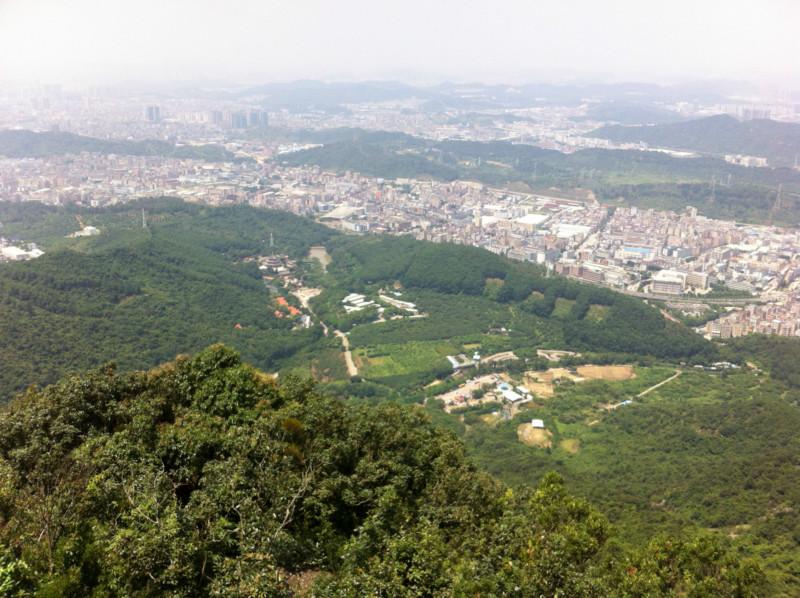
(307, 95)
(722, 134)
(31, 144)
(311, 95)
(631, 113)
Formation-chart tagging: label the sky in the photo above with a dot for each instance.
(227, 42)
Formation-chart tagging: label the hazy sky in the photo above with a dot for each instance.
(78, 42)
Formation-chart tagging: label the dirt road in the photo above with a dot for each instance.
(662, 383)
(352, 370)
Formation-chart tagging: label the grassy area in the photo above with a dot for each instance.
(597, 313)
(713, 452)
(563, 308)
(379, 361)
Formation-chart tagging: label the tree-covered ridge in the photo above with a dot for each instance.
(206, 478)
(139, 296)
(779, 355)
(720, 134)
(30, 144)
(630, 325)
(236, 231)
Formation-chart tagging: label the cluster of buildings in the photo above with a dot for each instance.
(632, 249)
(777, 317)
(675, 253)
(487, 388)
(748, 161)
(96, 180)
(397, 308)
(17, 252)
(639, 251)
(520, 225)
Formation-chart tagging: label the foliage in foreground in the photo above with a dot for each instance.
(205, 477)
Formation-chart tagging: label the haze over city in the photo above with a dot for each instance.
(92, 42)
(378, 298)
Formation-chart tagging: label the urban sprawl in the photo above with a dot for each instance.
(748, 275)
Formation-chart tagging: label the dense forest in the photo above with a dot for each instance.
(30, 144)
(204, 477)
(140, 296)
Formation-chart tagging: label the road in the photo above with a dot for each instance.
(660, 384)
(352, 370)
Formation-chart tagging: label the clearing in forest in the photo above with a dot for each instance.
(614, 373)
(570, 445)
(535, 437)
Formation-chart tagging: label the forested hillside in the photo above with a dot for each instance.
(721, 134)
(627, 326)
(30, 144)
(140, 296)
(205, 478)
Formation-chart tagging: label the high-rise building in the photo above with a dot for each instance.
(238, 120)
(152, 114)
(258, 119)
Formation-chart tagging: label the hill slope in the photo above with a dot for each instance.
(30, 144)
(777, 141)
(202, 479)
(139, 297)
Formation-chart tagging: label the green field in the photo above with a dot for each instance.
(706, 451)
(380, 361)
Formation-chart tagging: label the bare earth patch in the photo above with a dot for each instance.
(536, 437)
(614, 373)
(491, 419)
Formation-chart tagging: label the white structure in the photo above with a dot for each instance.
(537, 423)
(512, 396)
(670, 282)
